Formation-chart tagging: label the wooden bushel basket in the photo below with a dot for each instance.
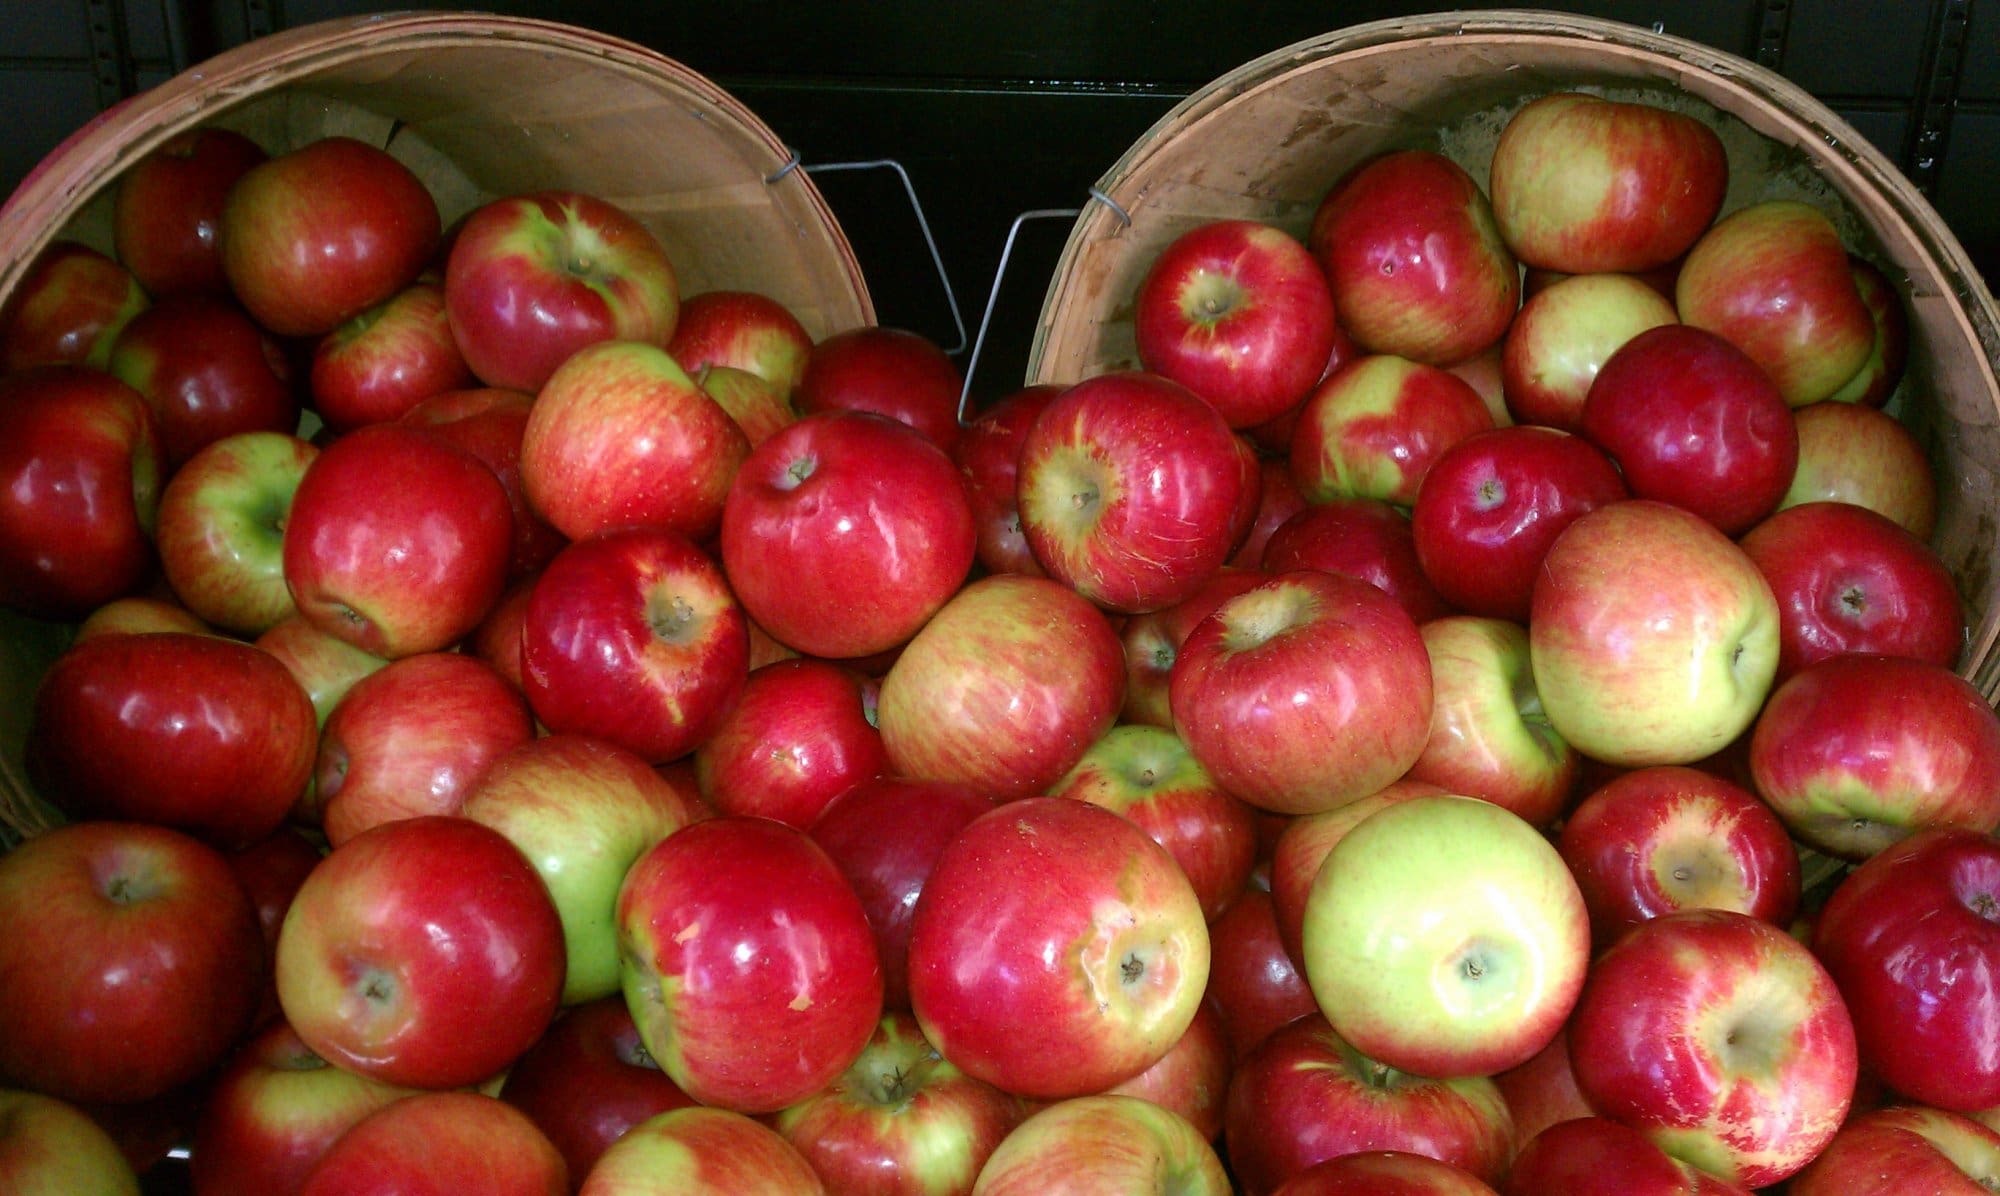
(1266, 141)
(479, 107)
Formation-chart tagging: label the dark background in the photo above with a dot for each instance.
(999, 108)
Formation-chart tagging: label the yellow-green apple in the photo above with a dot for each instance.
(1147, 775)
(1666, 838)
(325, 666)
(634, 637)
(901, 1120)
(1252, 982)
(1720, 1037)
(1055, 950)
(1904, 1149)
(49, 1147)
(377, 365)
(398, 541)
(1691, 420)
(166, 209)
(742, 330)
(207, 371)
(1542, 1092)
(699, 1151)
(1596, 1154)
(1153, 641)
(1306, 1095)
(1239, 312)
(1489, 736)
(441, 1142)
(587, 1080)
(891, 372)
(270, 1114)
(1852, 453)
(1848, 579)
(532, 279)
(1368, 539)
(137, 613)
(1774, 280)
(67, 309)
(1445, 936)
(619, 436)
(80, 476)
(221, 529)
(757, 406)
(1879, 376)
(1103, 1143)
(1375, 425)
(1903, 935)
(1383, 1173)
(1491, 505)
(1416, 264)
(988, 456)
(845, 532)
(198, 732)
(1562, 337)
(414, 737)
(1585, 184)
(1005, 688)
(132, 964)
(1192, 1078)
(326, 231)
(1858, 751)
(583, 812)
(424, 952)
(885, 835)
(1303, 845)
(747, 962)
(1652, 636)
(800, 734)
(1129, 486)
(1303, 693)
(490, 424)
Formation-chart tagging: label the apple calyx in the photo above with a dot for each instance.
(128, 888)
(673, 619)
(796, 473)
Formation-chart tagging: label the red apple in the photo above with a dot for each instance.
(1542, 1092)
(1104, 1143)
(1367, 539)
(701, 1152)
(441, 1142)
(1562, 337)
(1878, 377)
(1383, 1173)
(1153, 642)
(221, 529)
(988, 455)
(67, 309)
(376, 366)
(1857, 454)
(1888, 1151)
(800, 734)
(50, 1147)
(166, 212)
(1252, 981)
(1490, 737)
(888, 371)
(1239, 312)
(207, 371)
(1278, 499)
(1192, 1078)
(490, 424)
(742, 330)
(1589, 1154)
(1373, 428)
(271, 871)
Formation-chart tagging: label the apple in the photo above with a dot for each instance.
(900, 1120)
(166, 212)
(634, 637)
(1858, 751)
(588, 1080)
(1383, 1173)
(1490, 737)
(988, 456)
(397, 541)
(197, 732)
(1303, 693)
(1562, 337)
(583, 812)
(1375, 425)
(424, 952)
(1653, 638)
(80, 475)
(1055, 950)
(699, 1151)
(1590, 1154)
(441, 1142)
(891, 372)
(1368, 539)
(619, 436)
(139, 613)
(1192, 1078)
(800, 734)
(1278, 499)
(742, 330)
(271, 871)
(414, 737)
(315, 236)
(377, 365)
(1416, 264)
(1857, 454)
(207, 371)
(1901, 936)
(1542, 1092)
(1878, 377)
(1584, 184)
(1306, 1096)
(325, 666)
(1129, 486)
(67, 309)
(844, 533)
(1153, 642)
(490, 424)
(1774, 280)
(1693, 421)
(758, 407)
(1666, 838)
(1103, 1143)
(747, 962)
(131, 965)
(51, 1148)
(1445, 936)
(221, 529)
(497, 639)
(1239, 312)
(1252, 982)
(1302, 846)
(1902, 1149)
(1721, 1038)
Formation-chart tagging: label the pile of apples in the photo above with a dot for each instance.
(529, 731)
